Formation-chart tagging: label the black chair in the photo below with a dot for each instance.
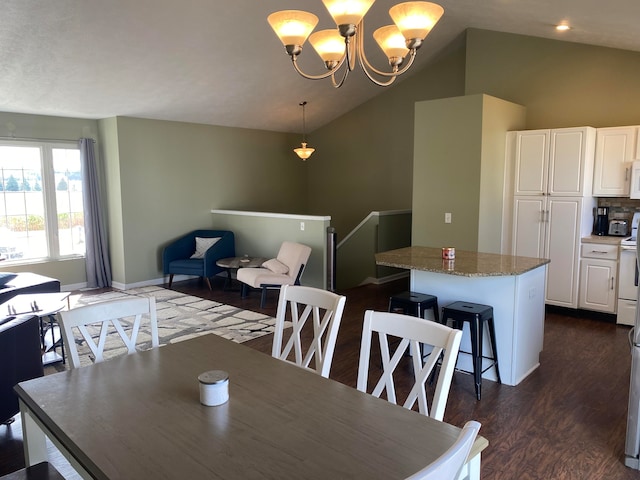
(21, 359)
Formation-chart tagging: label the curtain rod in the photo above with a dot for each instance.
(69, 140)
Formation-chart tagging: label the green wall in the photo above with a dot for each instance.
(561, 84)
(168, 176)
(446, 172)
(364, 159)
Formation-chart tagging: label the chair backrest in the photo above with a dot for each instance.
(450, 463)
(295, 256)
(412, 331)
(324, 310)
(93, 322)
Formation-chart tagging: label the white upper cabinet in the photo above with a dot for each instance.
(532, 162)
(571, 161)
(554, 162)
(615, 150)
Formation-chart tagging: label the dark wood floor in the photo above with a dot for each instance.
(565, 421)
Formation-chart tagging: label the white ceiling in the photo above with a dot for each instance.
(218, 62)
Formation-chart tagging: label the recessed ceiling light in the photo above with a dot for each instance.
(563, 27)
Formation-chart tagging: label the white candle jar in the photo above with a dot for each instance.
(214, 387)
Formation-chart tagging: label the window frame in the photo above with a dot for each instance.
(46, 148)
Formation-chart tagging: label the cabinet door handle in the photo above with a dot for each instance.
(626, 174)
(612, 282)
(600, 252)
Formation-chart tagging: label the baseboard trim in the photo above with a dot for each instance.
(383, 280)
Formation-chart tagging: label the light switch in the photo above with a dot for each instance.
(302, 226)
(447, 218)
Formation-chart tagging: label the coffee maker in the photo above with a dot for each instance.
(601, 223)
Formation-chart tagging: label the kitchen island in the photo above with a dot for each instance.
(513, 286)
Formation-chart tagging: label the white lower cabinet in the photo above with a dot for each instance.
(551, 227)
(598, 277)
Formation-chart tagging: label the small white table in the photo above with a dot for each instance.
(234, 263)
(45, 306)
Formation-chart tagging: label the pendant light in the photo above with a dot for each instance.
(304, 152)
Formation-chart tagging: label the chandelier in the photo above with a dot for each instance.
(304, 152)
(344, 46)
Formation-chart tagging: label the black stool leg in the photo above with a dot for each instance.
(492, 335)
(436, 315)
(476, 352)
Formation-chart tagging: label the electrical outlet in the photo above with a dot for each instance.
(302, 226)
(447, 218)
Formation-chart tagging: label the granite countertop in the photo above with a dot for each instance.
(603, 239)
(467, 264)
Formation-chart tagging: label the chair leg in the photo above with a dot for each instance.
(243, 290)
(206, 279)
(476, 352)
(263, 298)
(170, 279)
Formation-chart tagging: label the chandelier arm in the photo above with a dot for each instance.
(344, 77)
(316, 77)
(364, 62)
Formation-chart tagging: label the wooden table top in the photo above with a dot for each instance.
(139, 416)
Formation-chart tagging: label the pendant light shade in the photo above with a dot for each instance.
(304, 152)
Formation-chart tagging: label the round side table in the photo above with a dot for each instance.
(234, 263)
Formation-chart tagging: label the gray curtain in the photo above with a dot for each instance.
(97, 254)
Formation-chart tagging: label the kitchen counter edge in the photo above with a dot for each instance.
(466, 263)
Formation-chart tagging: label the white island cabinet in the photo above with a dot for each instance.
(513, 286)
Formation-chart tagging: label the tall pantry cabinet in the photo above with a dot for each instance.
(553, 203)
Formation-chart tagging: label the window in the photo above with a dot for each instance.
(41, 211)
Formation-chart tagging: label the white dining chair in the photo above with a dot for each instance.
(321, 312)
(449, 465)
(411, 332)
(124, 315)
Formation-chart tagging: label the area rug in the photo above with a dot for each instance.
(180, 317)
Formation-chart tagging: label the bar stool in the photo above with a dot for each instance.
(476, 314)
(412, 303)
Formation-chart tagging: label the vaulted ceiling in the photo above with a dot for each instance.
(218, 62)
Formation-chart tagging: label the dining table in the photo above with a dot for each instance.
(140, 416)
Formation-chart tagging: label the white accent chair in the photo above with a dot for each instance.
(412, 332)
(102, 315)
(449, 465)
(319, 310)
(285, 269)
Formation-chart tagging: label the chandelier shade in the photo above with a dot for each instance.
(344, 46)
(347, 12)
(416, 19)
(292, 26)
(328, 44)
(391, 41)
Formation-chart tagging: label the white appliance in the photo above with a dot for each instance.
(632, 443)
(628, 276)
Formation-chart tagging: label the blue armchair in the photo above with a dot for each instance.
(176, 257)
